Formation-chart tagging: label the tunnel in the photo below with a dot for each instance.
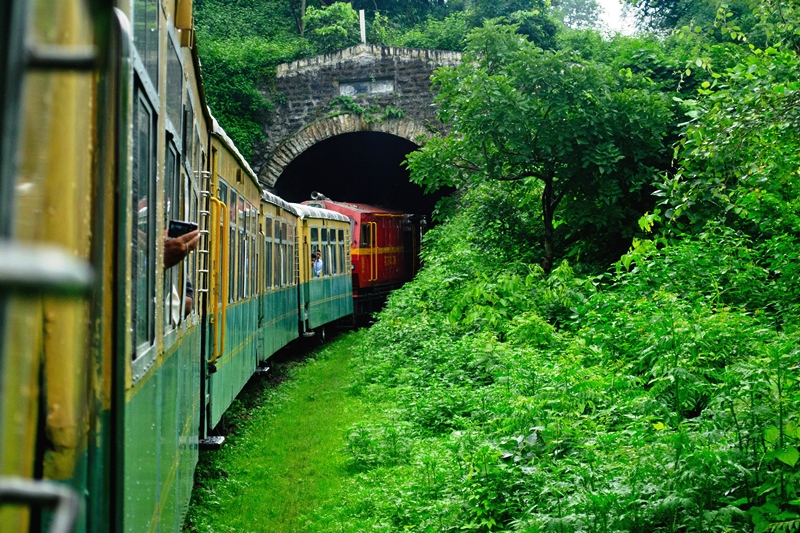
(360, 167)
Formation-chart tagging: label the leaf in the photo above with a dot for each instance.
(788, 455)
(771, 434)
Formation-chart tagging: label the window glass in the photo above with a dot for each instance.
(172, 210)
(174, 88)
(143, 237)
(145, 36)
(276, 263)
(326, 256)
(334, 255)
(242, 247)
(187, 132)
(223, 196)
(254, 230)
(248, 272)
(315, 247)
(365, 235)
(268, 253)
(291, 255)
(285, 254)
(314, 239)
(232, 247)
(340, 242)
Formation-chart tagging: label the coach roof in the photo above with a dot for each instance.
(305, 211)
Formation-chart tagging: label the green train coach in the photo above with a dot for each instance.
(116, 360)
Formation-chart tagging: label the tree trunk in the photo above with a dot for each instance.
(302, 25)
(548, 208)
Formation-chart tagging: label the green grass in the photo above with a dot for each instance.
(285, 458)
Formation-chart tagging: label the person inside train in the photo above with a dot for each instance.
(176, 250)
(317, 264)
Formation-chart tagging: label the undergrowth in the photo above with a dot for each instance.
(660, 397)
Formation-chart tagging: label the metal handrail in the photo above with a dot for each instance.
(43, 494)
(42, 269)
(219, 327)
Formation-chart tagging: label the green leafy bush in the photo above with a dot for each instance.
(656, 398)
(332, 27)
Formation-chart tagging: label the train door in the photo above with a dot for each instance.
(369, 246)
(220, 273)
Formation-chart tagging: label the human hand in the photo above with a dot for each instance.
(176, 250)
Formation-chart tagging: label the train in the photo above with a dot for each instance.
(384, 249)
(117, 364)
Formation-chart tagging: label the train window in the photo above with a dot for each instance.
(143, 241)
(276, 263)
(365, 235)
(323, 247)
(146, 36)
(285, 252)
(268, 253)
(172, 210)
(187, 131)
(241, 267)
(340, 244)
(232, 247)
(314, 240)
(223, 196)
(292, 256)
(174, 86)
(253, 252)
(334, 269)
(198, 153)
(248, 260)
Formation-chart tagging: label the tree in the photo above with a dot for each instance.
(298, 9)
(333, 27)
(577, 13)
(590, 138)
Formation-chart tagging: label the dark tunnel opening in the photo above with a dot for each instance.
(362, 167)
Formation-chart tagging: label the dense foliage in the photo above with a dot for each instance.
(661, 395)
(576, 390)
(590, 137)
(242, 41)
(240, 44)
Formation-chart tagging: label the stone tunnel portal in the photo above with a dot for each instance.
(361, 167)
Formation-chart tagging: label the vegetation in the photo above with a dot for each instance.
(660, 395)
(573, 129)
(582, 389)
(242, 41)
(283, 456)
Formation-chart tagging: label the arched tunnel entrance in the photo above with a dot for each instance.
(365, 168)
(361, 167)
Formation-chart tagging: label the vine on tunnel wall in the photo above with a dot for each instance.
(372, 114)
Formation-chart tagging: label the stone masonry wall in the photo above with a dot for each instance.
(371, 75)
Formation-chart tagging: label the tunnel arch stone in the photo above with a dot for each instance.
(408, 129)
(382, 80)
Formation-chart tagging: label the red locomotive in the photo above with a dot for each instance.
(384, 249)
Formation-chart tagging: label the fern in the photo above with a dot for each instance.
(785, 526)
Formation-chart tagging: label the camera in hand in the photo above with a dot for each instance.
(180, 227)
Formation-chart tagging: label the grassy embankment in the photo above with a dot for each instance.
(284, 457)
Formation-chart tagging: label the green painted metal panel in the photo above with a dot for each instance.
(235, 367)
(162, 414)
(279, 320)
(330, 298)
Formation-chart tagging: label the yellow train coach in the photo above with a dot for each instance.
(144, 273)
